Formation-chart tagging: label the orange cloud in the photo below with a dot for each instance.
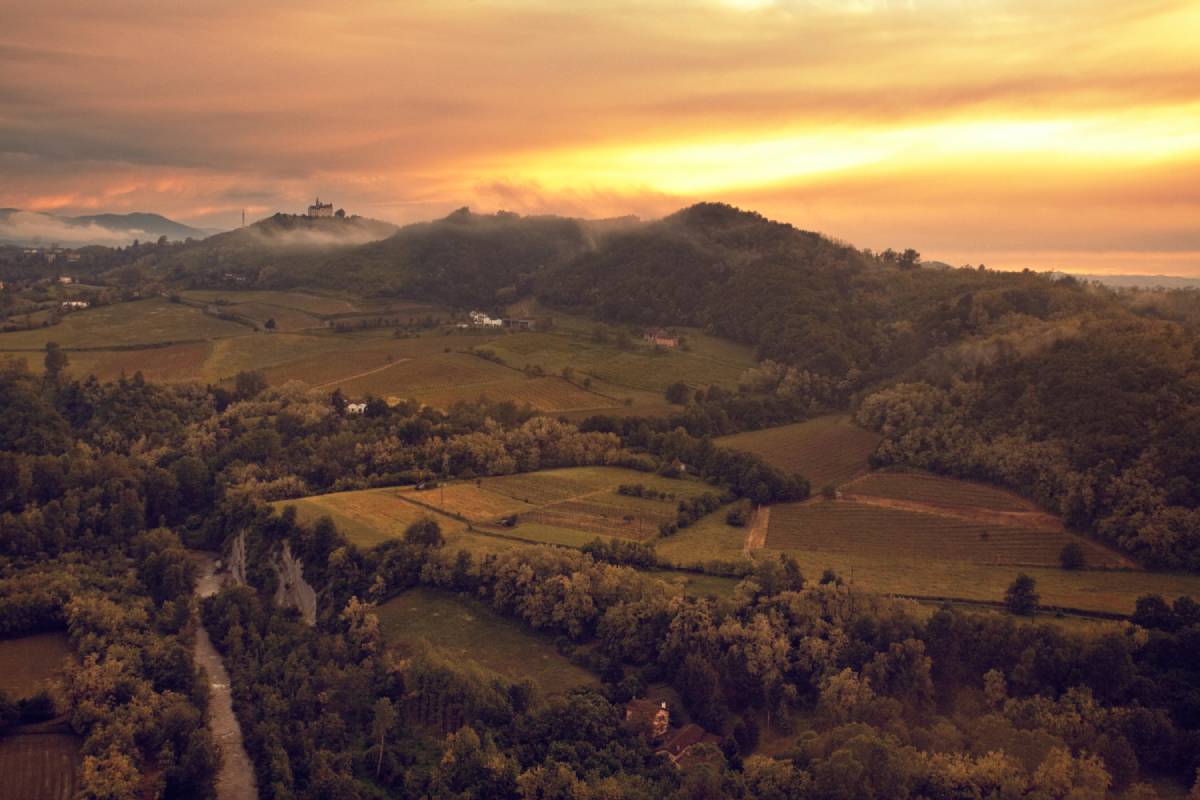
(963, 129)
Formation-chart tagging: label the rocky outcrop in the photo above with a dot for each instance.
(291, 591)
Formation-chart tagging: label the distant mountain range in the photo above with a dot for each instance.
(37, 228)
(1140, 281)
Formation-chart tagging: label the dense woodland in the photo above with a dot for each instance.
(1080, 398)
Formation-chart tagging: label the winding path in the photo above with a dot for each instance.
(235, 781)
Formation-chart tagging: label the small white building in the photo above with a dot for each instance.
(65, 279)
(75, 305)
(356, 408)
(482, 320)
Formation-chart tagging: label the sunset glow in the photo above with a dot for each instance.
(1060, 134)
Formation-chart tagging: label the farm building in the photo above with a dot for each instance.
(649, 715)
(681, 740)
(356, 408)
(520, 324)
(75, 305)
(482, 320)
(660, 338)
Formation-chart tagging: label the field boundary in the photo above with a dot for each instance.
(1042, 610)
(1039, 520)
(117, 348)
(347, 378)
(760, 523)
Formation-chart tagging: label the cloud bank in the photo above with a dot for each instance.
(993, 130)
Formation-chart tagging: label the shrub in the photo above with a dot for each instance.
(1072, 556)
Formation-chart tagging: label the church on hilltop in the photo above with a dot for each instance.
(319, 209)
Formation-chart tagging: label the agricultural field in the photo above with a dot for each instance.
(178, 342)
(868, 530)
(177, 362)
(368, 517)
(567, 507)
(826, 450)
(29, 662)
(707, 539)
(42, 766)
(706, 361)
(578, 503)
(916, 486)
(548, 394)
(153, 321)
(314, 304)
(466, 630)
(1109, 591)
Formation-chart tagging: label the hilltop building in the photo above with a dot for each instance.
(319, 209)
(660, 338)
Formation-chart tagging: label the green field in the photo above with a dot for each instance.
(367, 517)
(573, 505)
(28, 663)
(825, 450)
(923, 487)
(42, 766)
(707, 360)
(307, 302)
(1089, 590)
(868, 530)
(168, 341)
(142, 322)
(568, 507)
(707, 539)
(468, 631)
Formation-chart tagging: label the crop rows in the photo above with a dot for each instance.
(920, 487)
(852, 528)
(824, 450)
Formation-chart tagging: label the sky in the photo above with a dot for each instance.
(1050, 134)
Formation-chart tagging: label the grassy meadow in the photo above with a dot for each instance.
(28, 663)
(467, 631)
(168, 341)
(141, 322)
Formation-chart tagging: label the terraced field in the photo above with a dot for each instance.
(865, 530)
(567, 507)
(43, 766)
(467, 631)
(825, 450)
(922, 487)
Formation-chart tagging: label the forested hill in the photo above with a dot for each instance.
(259, 251)
(797, 296)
